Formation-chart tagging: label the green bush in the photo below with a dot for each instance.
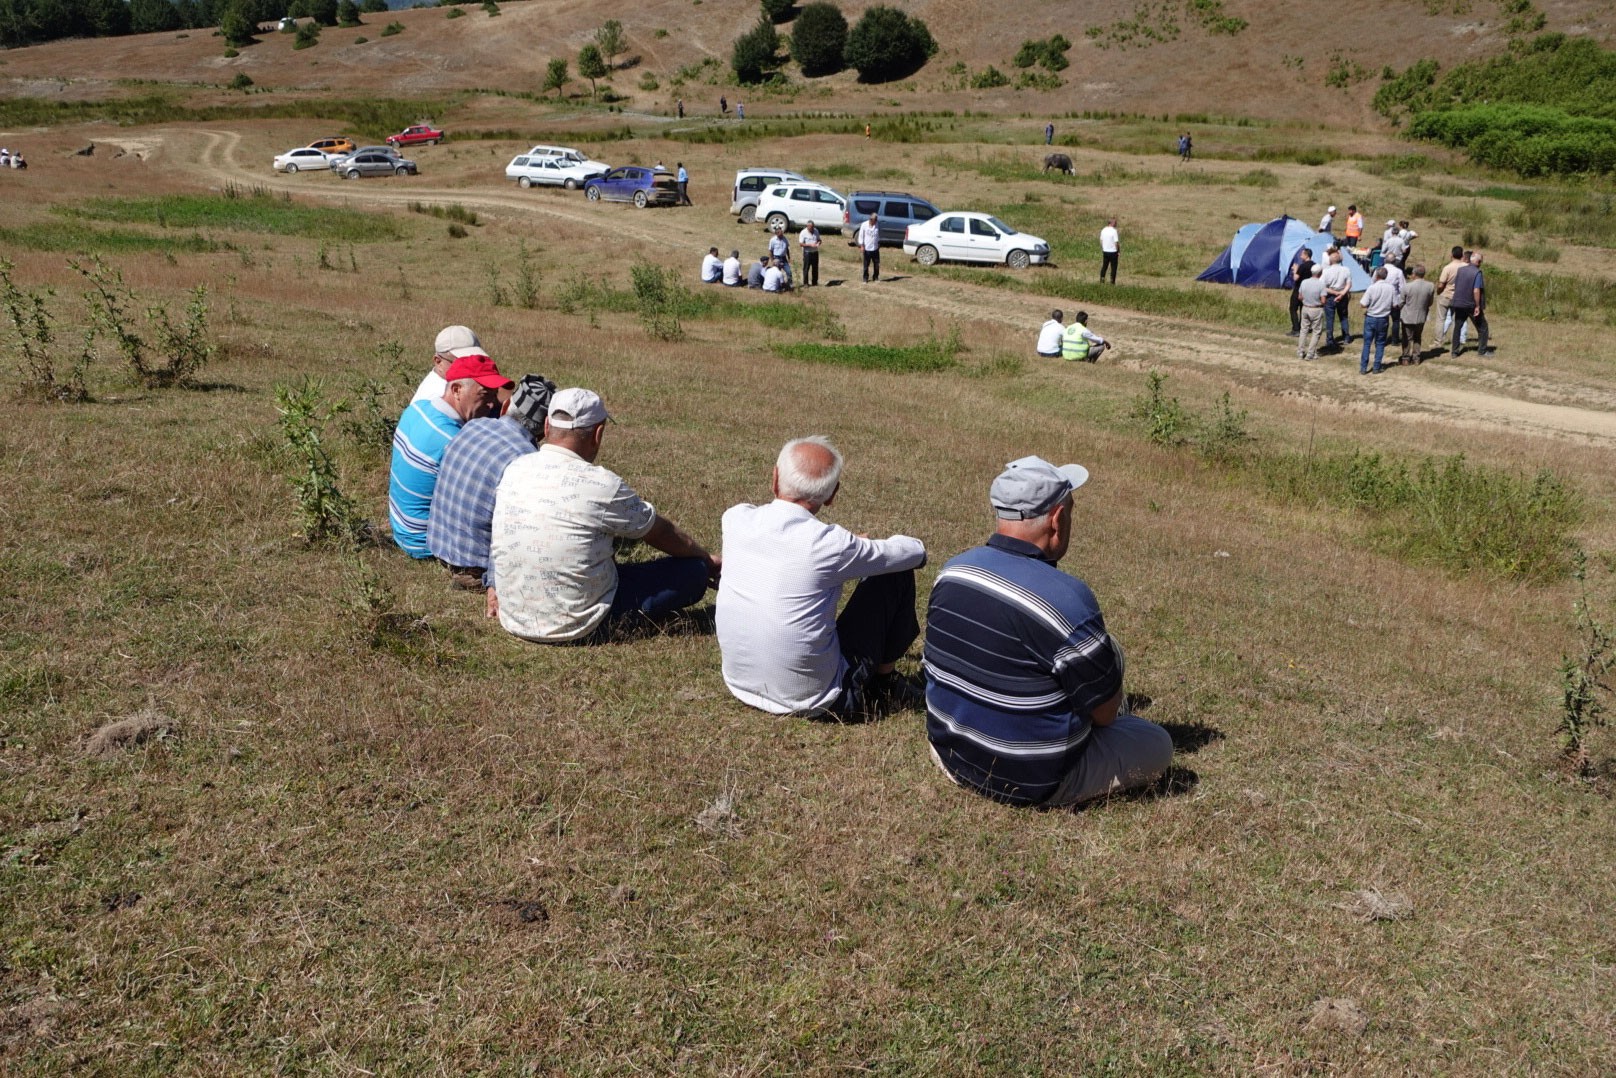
(988, 79)
(392, 28)
(1531, 140)
(886, 44)
(235, 27)
(818, 39)
(308, 36)
(347, 13)
(241, 81)
(1049, 53)
(754, 51)
(455, 13)
(372, 7)
(777, 10)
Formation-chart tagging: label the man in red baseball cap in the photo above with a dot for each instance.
(473, 385)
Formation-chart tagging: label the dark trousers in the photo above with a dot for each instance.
(658, 588)
(810, 266)
(684, 193)
(872, 265)
(1413, 339)
(876, 627)
(1337, 309)
(1108, 259)
(1460, 314)
(1296, 311)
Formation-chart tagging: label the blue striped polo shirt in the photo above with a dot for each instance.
(1017, 656)
(423, 433)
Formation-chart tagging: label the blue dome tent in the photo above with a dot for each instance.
(1260, 255)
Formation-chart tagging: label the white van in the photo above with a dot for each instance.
(568, 155)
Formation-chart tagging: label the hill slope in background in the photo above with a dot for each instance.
(1276, 69)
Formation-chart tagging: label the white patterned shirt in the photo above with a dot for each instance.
(555, 516)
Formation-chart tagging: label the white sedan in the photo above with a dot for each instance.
(957, 236)
(551, 171)
(303, 159)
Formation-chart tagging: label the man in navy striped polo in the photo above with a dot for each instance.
(1023, 683)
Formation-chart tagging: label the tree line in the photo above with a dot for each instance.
(32, 22)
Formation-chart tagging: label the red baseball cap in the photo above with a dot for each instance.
(479, 369)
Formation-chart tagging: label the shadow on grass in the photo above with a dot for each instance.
(1175, 782)
(1191, 737)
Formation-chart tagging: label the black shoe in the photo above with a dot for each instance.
(886, 694)
(1486, 353)
(1294, 333)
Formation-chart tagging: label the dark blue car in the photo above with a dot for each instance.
(631, 183)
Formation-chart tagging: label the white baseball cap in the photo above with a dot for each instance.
(457, 341)
(583, 407)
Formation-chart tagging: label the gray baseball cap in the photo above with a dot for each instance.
(531, 401)
(1031, 487)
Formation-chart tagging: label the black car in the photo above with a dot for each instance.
(895, 211)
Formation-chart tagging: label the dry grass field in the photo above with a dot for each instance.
(350, 826)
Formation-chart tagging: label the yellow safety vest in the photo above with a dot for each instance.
(1073, 344)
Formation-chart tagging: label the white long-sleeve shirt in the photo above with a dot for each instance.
(783, 573)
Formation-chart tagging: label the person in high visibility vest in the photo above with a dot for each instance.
(1078, 344)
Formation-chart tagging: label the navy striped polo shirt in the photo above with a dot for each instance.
(1016, 658)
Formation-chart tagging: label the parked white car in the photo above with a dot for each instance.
(787, 206)
(567, 153)
(552, 171)
(959, 236)
(303, 159)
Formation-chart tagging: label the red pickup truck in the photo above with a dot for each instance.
(416, 135)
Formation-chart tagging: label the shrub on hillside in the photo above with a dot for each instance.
(989, 79)
(555, 77)
(818, 39)
(1529, 140)
(392, 28)
(592, 65)
(347, 13)
(754, 51)
(371, 7)
(308, 35)
(886, 44)
(1049, 54)
(235, 27)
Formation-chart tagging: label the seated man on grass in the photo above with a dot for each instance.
(1023, 683)
(785, 650)
(712, 267)
(472, 387)
(463, 506)
(556, 513)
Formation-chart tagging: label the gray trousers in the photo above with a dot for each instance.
(1307, 344)
(1130, 752)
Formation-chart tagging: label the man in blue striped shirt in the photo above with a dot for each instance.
(1023, 683)
(424, 431)
(462, 517)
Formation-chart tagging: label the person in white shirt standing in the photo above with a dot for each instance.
(809, 240)
(785, 650)
(780, 252)
(1049, 335)
(712, 267)
(1327, 222)
(1110, 248)
(869, 242)
(1377, 303)
(732, 271)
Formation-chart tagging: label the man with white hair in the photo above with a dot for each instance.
(1023, 682)
(471, 388)
(785, 650)
(453, 342)
(556, 514)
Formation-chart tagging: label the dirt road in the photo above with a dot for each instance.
(1490, 398)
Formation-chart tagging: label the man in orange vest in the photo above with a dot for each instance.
(1354, 228)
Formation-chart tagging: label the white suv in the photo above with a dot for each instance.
(787, 206)
(750, 183)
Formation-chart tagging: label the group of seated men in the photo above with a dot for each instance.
(499, 481)
(771, 273)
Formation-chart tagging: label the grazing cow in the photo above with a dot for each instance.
(1060, 161)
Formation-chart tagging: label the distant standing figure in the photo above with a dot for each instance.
(1417, 297)
(1377, 303)
(723, 105)
(1110, 248)
(1186, 147)
(869, 241)
(1312, 299)
(866, 130)
(1327, 222)
(1354, 230)
(1050, 333)
(1301, 270)
(1049, 134)
(680, 105)
(809, 240)
(684, 185)
(740, 111)
(1470, 304)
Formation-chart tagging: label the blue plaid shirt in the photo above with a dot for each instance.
(463, 507)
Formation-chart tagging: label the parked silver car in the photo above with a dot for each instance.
(377, 164)
(338, 160)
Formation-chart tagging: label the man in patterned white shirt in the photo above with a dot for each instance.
(556, 513)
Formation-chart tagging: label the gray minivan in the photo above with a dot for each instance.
(895, 211)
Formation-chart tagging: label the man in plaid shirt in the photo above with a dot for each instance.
(463, 508)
